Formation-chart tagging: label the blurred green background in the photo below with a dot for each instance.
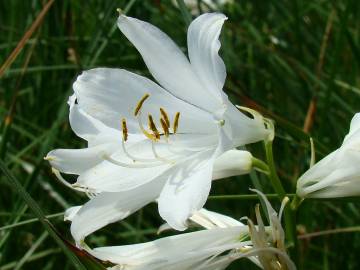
(295, 61)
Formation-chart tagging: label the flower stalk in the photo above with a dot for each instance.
(290, 229)
(260, 166)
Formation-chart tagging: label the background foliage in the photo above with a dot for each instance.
(295, 61)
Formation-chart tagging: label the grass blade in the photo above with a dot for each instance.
(39, 214)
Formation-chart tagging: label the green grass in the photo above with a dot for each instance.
(279, 57)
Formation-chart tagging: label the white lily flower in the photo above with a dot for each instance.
(215, 248)
(191, 124)
(337, 174)
(269, 242)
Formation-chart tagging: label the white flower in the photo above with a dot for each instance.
(191, 124)
(214, 248)
(269, 243)
(337, 174)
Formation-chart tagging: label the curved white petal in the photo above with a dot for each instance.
(343, 189)
(111, 94)
(71, 212)
(107, 177)
(110, 177)
(168, 250)
(232, 162)
(337, 178)
(353, 137)
(87, 127)
(185, 192)
(203, 45)
(167, 63)
(334, 173)
(225, 139)
(109, 207)
(337, 174)
(318, 171)
(77, 161)
(210, 220)
(245, 130)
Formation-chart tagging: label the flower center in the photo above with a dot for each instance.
(152, 133)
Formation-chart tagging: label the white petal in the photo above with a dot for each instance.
(71, 212)
(335, 169)
(354, 133)
(184, 193)
(318, 171)
(232, 162)
(346, 189)
(167, 63)
(225, 139)
(203, 45)
(355, 123)
(112, 94)
(337, 178)
(169, 249)
(109, 207)
(77, 161)
(108, 177)
(209, 220)
(244, 129)
(85, 126)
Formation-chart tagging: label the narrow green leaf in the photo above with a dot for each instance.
(39, 214)
(184, 11)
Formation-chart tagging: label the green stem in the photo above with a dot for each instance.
(290, 229)
(260, 166)
(295, 203)
(274, 178)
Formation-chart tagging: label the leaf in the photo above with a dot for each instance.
(77, 260)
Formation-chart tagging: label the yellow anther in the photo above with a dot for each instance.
(140, 104)
(165, 127)
(124, 129)
(165, 116)
(176, 122)
(153, 128)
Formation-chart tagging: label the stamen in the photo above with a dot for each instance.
(66, 183)
(165, 116)
(143, 130)
(176, 122)
(157, 155)
(126, 165)
(153, 128)
(133, 158)
(140, 104)
(124, 129)
(165, 127)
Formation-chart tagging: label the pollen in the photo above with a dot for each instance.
(153, 128)
(124, 129)
(140, 104)
(165, 116)
(176, 122)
